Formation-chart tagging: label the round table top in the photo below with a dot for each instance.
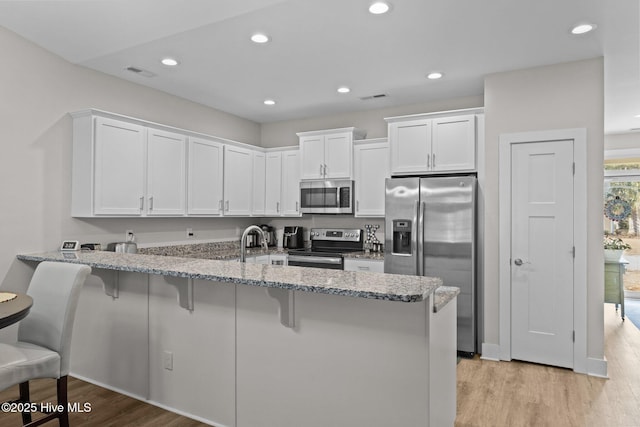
(15, 309)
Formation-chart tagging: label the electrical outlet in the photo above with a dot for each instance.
(167, 360)
(190, 234)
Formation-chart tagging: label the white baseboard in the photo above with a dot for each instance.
(597, 367)
(490, 352)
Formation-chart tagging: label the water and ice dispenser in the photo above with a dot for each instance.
(402, 237)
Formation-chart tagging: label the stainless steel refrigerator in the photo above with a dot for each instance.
(430, 230)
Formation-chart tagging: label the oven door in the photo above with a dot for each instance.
(326, 197)
(331, 262)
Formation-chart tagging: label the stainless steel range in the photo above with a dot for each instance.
(327, 247)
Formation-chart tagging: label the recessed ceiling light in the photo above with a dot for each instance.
(435, 75)
(170, 62)
(260, 38)
(344, 89)
(583, 28)
(269, 102)
(379, 7)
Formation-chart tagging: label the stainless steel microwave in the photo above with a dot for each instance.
(326, 197)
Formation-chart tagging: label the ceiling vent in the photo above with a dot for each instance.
(140, 71)
(378, 96)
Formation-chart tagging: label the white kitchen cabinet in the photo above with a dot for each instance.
(121, 168)
(166, 175)
(371, 168)
(273, 184)
(453, 143)
(205, 177)
(108, 164)
(238, 180)
(328, 154)
(361, 264)
(259, 186)
(432, 143)
(291, 183)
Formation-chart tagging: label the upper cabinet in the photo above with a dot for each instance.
(328, 154)
(371, 169)
(238, 181)
(124, 169)
(259, 185)
(291, 183)
(273, 184)
(205, 177)
(432, 143)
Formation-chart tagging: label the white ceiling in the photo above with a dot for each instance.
(319, 45)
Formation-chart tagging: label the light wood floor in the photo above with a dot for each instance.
(490, 394)
(524, 394)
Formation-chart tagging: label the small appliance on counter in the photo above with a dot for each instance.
(253, 239)
(269, 233)
(293, 238)
(129, 247)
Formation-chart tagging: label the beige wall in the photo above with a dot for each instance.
(568, 95)
(282, 134)
(38, 90)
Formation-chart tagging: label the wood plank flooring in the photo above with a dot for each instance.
(491, 394)
(523, 394)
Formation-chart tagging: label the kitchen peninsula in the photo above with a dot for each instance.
(264, 345)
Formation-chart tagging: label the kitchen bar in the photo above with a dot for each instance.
(385, 356)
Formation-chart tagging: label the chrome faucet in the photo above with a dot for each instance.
(243, 241)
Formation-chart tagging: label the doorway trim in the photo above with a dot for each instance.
(579, 137)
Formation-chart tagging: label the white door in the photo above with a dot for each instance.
(205, 177)
(542, 252)
(337, 156)
(273, 184)
(291, 183)
(119, 168)
(238, 179)
(166, 173)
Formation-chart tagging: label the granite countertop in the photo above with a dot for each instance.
(374, 256)
(391, 287)
(442, 296)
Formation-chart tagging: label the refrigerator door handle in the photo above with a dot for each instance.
(420, 236)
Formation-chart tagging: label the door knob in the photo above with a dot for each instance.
(518, 261)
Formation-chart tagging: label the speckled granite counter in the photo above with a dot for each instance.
(391, 287)
(374, 256)
(224, 251)
(443, 295)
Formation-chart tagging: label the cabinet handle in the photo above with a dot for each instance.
(321, 169)
(357, 205)
(325, 170)
(297, 206)
(141, 203)
(220, 205)
(434, 160)
(428, 161)
(278, 207)
(151, 203)
(226, 206)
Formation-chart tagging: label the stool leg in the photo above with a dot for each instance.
(24, 398)
(63, 400)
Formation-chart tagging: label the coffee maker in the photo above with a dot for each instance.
(269, 233)
(293, 238)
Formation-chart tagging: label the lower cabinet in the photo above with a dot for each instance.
(358, 264)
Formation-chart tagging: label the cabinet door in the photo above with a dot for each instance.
(312, 152)
(291, 183)
(273, 181)
(258, 193)
(205, 177)
(119, 168)
(410, 144)
(166, 173)
(237, 181)
(454, 143)
(338, 156)
(371, 170)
